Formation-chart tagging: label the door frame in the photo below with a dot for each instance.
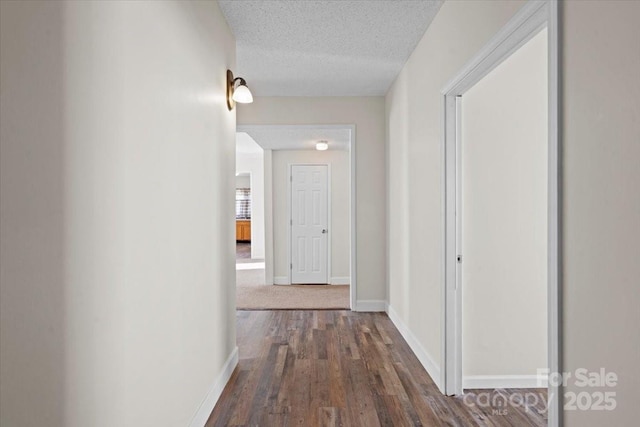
(533, 17)
(353, 247)
(290, 217)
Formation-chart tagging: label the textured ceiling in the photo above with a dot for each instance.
(325, 48)
(246, 145)
(303, 138)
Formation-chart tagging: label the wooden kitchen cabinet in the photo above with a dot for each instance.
(243, 230)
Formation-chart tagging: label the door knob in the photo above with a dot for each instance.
(324, 231)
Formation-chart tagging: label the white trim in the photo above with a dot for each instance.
(521, 28)
(289, 207)
(554, 256)
(254, 229)
(281, 280)
(209, 402)
(268, 217)
(353, 242)
(353, 285)
(329, 225)
(504, 381)
(250, 128)
(339, 280)
(526, 23)
(371, 305)
(423, 356)
(444, 246)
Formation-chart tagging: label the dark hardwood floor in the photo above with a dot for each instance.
(342, 368)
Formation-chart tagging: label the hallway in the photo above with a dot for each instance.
(123, 303)
(334, 368)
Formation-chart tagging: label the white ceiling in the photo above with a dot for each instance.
(297, 138)
(325, 48)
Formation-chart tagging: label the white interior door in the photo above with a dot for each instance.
(309, 224)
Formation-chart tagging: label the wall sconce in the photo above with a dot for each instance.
(322, 145)
(239, 93)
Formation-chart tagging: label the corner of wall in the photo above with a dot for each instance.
(425, 359)
(209, 402)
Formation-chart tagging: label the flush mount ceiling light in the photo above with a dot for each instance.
(322, 145)
(237, 93)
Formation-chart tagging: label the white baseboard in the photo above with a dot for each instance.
(504, 381)
(423, 356)
(280, 280)
(210, 400)
(370, 305)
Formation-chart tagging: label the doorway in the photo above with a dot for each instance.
(243, 217)
(250, 212)
(502, 223)
(324, 261)
(528, 23)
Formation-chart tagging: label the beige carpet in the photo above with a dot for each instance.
(253, 294)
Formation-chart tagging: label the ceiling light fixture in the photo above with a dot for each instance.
(322, 145)
(239, 93)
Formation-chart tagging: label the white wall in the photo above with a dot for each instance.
(117, 148)
(254, 164)
(414, 164)
(340, 205)
(504, 218)
(367, 113)
(601, 239)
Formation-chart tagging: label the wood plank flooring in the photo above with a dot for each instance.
(342, 368)
(243, 250)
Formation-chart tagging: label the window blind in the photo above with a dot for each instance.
(243, 203)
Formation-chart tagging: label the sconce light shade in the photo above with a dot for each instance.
(242, 94)
(239, 93)
(322, 145)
